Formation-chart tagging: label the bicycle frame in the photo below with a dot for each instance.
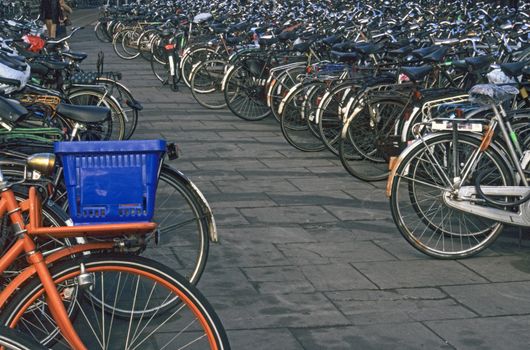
(464, 197)
(38, 265)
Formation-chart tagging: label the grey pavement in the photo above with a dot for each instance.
(309, 256)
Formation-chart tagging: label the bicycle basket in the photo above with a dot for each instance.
(111, 181)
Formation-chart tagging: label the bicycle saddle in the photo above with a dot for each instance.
(344, 56)
(12, 62)
(460, 65)
(513, 69)
(11, 110)
(84, 114)
(367, 48)
(37, 68)
(449, 41)
(302, 47)
(238, 27)
(235, 40)
(285, 36)
(28, 54)
(53, 65)
(343, 47)
(330, 40)
(168, 32)
(267, 41)
(477, 64)
(402, 51)
(417, 73)
(424, 51)
(219, 28)
(436, 56)
(492, 94)
(76, 56)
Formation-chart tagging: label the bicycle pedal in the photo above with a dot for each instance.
(172, 151)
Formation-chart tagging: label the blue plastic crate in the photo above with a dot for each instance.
(111, 181)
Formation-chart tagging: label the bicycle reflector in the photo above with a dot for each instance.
(169, 46)
(44, 163)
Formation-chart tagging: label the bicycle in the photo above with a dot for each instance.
(87, 286)
(451, 191)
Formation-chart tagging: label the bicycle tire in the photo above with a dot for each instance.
(281, 86)
(129, 44)
(294, 123)
(245, 93)
(145, 41)
(206, 84)
(125, 99)
(108, 271)
(101, 32)
(195, 57)
(179, 201)
(117, 44)
(366, 132)
(11, 339)
(330, 115)
(446, 239)
(112, 128)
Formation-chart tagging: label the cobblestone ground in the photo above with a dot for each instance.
(309, 257)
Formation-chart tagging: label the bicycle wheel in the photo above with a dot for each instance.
(280, 87)
(112, 128)
(206, 84)
(53, 216)
(129, 105)
(145, 41)
(424, 176)
(116, 295)
(11, 339)
(185, 225)
(117, 46)
(129, 44)
(245, 91)
(195, 57)
(101, 32)
(160, 66)
(368, 133)
(330, 115)
(294, 122)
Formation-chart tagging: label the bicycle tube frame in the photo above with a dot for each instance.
(38, 265)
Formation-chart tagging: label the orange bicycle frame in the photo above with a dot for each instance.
(38, 264)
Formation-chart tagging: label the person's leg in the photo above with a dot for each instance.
(49, 24)
(53, 30)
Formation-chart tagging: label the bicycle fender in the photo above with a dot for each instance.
(203, 202)
(418, 142)
(268, 84)
(229, 70)
(289, 94)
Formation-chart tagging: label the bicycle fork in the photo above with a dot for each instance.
(172, 66)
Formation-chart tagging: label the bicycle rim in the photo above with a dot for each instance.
(115, 292)
(417, 203)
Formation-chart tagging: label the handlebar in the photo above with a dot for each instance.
(55, 42)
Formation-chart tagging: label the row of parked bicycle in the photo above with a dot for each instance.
(430, 95)
(119, 269)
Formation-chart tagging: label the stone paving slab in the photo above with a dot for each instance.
(509, 332)
(309, 256)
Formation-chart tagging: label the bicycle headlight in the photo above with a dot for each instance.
(42, 162)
